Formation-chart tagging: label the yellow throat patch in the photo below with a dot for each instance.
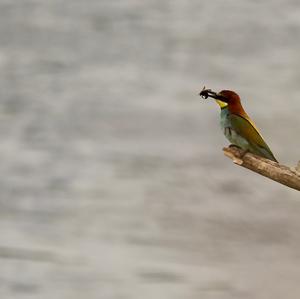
(221, 104)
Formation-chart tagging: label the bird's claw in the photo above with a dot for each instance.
(243, 151)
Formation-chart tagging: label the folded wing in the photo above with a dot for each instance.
(245, 128)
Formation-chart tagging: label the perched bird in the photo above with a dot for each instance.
(238, 127)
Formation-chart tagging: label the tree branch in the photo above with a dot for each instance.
(272, 170)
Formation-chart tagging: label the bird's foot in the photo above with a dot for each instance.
(242, 153)
(233, 145)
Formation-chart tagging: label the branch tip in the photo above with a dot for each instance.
(270, 169)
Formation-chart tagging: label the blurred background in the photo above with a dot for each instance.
(113, 180)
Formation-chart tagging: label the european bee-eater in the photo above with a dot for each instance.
(238, 127)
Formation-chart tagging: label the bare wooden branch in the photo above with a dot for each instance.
(272, 170)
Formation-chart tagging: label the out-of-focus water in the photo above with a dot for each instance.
(113, 181)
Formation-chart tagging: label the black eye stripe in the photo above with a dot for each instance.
(222, 98)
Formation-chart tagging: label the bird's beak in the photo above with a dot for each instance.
(205, 93)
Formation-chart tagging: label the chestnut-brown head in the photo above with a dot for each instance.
(228, 96)
(224, 98)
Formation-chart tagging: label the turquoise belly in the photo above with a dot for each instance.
(230, 133)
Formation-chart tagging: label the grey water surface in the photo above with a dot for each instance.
(113, 182)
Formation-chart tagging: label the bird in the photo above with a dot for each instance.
(237, 126)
